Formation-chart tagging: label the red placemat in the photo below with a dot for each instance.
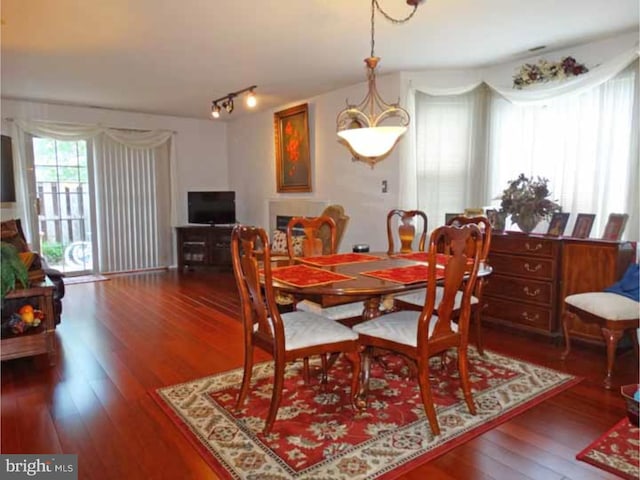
(441, 258)
(405, 275)
(339, 259)
(305, 276)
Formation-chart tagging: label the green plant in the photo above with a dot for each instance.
(53, 252)
(12, 269)
(528, 197)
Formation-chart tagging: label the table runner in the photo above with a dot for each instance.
(339, 259)
(404, 275)
(305, 276)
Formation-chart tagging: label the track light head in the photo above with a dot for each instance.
(215, 110)
(251, 99)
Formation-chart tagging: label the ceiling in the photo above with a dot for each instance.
(174, 57)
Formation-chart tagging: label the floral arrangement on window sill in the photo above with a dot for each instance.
(527, 201)
(545, 71)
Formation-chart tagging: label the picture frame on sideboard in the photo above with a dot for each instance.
(583, 225)
(557, 224)
(615, 226)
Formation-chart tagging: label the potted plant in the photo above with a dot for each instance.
(527, 201)
(12, 269)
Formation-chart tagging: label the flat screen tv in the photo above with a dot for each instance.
(212, 208)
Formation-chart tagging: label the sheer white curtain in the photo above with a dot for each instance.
(449, 148)
(585, 144)
(132, 184)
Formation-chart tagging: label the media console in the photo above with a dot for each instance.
(204, 246)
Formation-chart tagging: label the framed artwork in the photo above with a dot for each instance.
(473, 212)
(557, 224)
(293, 158)
(615, 226)
(496, 219)
(582, 227)
(450, 216)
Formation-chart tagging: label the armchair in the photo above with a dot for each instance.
(11, 232)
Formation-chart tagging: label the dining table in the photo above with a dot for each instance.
(349, 277)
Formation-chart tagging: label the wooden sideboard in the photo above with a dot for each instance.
(208, 246)
(532, 274)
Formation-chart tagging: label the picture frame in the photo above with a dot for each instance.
(450, 216)
(557, 224)
(473, 212)
(496, 219)
(583, 225)
(615, 226)
(293, 157)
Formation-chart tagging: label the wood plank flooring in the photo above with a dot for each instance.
(121, 338)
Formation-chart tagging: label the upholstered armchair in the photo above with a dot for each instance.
(11, 232)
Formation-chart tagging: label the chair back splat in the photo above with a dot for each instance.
(287, 336)
(312, 243)
(402, 225)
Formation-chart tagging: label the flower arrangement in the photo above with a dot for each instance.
(526, 200)
(545, 71)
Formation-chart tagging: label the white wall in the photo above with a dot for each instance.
(335, 177)
(200, 145)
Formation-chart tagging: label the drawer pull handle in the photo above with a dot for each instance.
(532, 294)
(534, 249)
(529, 268)
(532, 318)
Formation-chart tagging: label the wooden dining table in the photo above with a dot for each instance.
(355, 278)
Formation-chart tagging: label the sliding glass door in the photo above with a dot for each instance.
(64, 204)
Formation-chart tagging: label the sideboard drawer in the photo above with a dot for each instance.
(530, 267)
(523, 289)
(523, 245)
(533, 316)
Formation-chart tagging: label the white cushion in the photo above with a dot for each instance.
(606, 305)
(418, 297)
(337, 312)
(305, 329)
(399, 327)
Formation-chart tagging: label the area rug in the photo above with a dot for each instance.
(84, 279)
(616, 451)
(318, 435)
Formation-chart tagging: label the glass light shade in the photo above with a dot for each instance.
(372, 142)
(251, 100)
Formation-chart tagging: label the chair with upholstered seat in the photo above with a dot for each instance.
(286, 336)
(402, 226)
(415, 300)
(615, 314)
(336, 212)
(432, 331)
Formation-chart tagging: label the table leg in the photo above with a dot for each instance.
(371, 308)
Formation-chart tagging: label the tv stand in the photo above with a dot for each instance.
(204, 246)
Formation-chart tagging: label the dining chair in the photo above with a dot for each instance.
(402, 225)
(288, 336)
(421, 335)
(312, 245)
(415, 300)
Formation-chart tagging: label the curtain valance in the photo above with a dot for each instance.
(542, 92)
(75, 132)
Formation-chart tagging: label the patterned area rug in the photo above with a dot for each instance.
(616, 451)
(318, 435)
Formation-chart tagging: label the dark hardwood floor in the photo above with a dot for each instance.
(121, 338)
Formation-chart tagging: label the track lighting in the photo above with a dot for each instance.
(226, 102)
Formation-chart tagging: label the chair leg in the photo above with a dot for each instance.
(325, 367)
(611, 337)
(354, 358)
(463, 367)
(305, 370)
(276, 395)
(365, 371)
(246, 377)
(567, 321)
(427, 396)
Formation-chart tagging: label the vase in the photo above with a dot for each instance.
(526, 223)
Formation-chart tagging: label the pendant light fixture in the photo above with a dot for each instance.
(359, 126)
